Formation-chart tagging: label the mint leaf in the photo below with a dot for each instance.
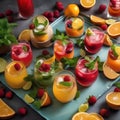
(117, 84)
(68, 84)
(77, 95)
(25, 48)
(114, 51)
(37, 104)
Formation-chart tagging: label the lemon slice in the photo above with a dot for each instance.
(77, 23)
(83, 107)
(3, 64)
(110, 21)
(27, 85)
(28, 98)
(82, 52)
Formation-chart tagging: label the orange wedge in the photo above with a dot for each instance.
(97, 20)
(50, 60)
(80, 116)
(45, 100)
(107, 40)
(114, 29)
(113, 100)
(24, 35)
(109, 72)
(6, 111)
(95, 116)
(87, 3)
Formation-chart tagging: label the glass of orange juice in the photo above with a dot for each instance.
(114, 9)
(64, 86)
(74, 26)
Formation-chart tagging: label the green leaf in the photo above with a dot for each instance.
(37, 104)
(33, 93)
(77, 95)
(25, 48)
(117, 84)
(100, 66)
(114, 51)
(65, 83)
(40, 32)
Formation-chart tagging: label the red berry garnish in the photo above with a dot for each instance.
(40, 92)
(92, 100)
(17, 66)
(31, 26)
(10, 19)
(102, 8)
(9, 12)
(69, 47)
(46, 13)
(44, 67)
(45, 52)
(104, 26)
(104, 112)
(9, 94)
(50, 14)
(59, 5)
(116, 89)
(22, 111)
(67, 78)
(51, 19)
(56, 13)
(2, 92)
(2, 15)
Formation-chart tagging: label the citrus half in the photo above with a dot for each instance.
(107, 40)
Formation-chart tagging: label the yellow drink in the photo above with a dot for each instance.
(15, 73)
(64, 90)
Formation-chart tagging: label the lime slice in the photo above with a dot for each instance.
(82, 53)
(89, 32)
(77, 23)
(83, 107)
(3, 64)
(27, 85)
(110, 21)
(28, 98)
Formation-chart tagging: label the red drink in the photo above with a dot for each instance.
(94, 39)
(26, 8)
(22, 52)
(85, 76)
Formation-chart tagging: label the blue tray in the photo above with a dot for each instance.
(57, 110)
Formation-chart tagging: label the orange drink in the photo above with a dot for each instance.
(114, 8)
(62, 50)
(64, 86)
(15, 73)
(74, 26)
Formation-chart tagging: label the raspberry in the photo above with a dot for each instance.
(67, 78)
(102, 8)
(58, 3)
(8, 12)
(31, 26)
(50, 14)
(10, 19)
(104, 26)
(51, 19)
(44, 67)
(46, 13)
(9, 95)
(116, 89)
(40, 92)
(56, 13)
(104, 112)
(2, 15)
(22, 111)
(59, 6)
(2, 92)
(17, 66)
(92, 100)
(45, 52)
(69, 47)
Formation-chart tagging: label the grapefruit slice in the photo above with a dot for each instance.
(114, 29)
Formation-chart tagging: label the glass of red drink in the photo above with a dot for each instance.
(85, 76)
(26, 8)
(114, 9)
(94, 39)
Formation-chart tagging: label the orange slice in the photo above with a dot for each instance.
(87, 3)
(113, 100)
(114, 29)
(95, 116)
(80, 116)
(109, 72)
(72, 10)
(50, 60)
(45, 100)
(107, 40)
(24, 35)
(97, 20)
(6, 111)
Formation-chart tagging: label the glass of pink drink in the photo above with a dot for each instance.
(26, 8)
(85, 77)
(94, 39)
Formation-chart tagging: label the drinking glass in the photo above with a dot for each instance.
(26, 8)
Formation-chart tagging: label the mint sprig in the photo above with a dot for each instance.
(65, 83)
(114, 51)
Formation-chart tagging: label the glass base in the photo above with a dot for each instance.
(112, 17)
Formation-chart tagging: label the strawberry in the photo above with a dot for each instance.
(116, 89)
(92, 100)
(102, 8)
(40, 92)
(17, 66)
(22, 111)
(104, 26)
(2, 92)
(67, 78)
(104, 112)
(9, 95)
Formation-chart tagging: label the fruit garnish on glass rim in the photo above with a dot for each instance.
(113, 48)
(89, 32)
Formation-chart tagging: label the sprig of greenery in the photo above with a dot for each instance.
(6, 35)
(114, 51)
